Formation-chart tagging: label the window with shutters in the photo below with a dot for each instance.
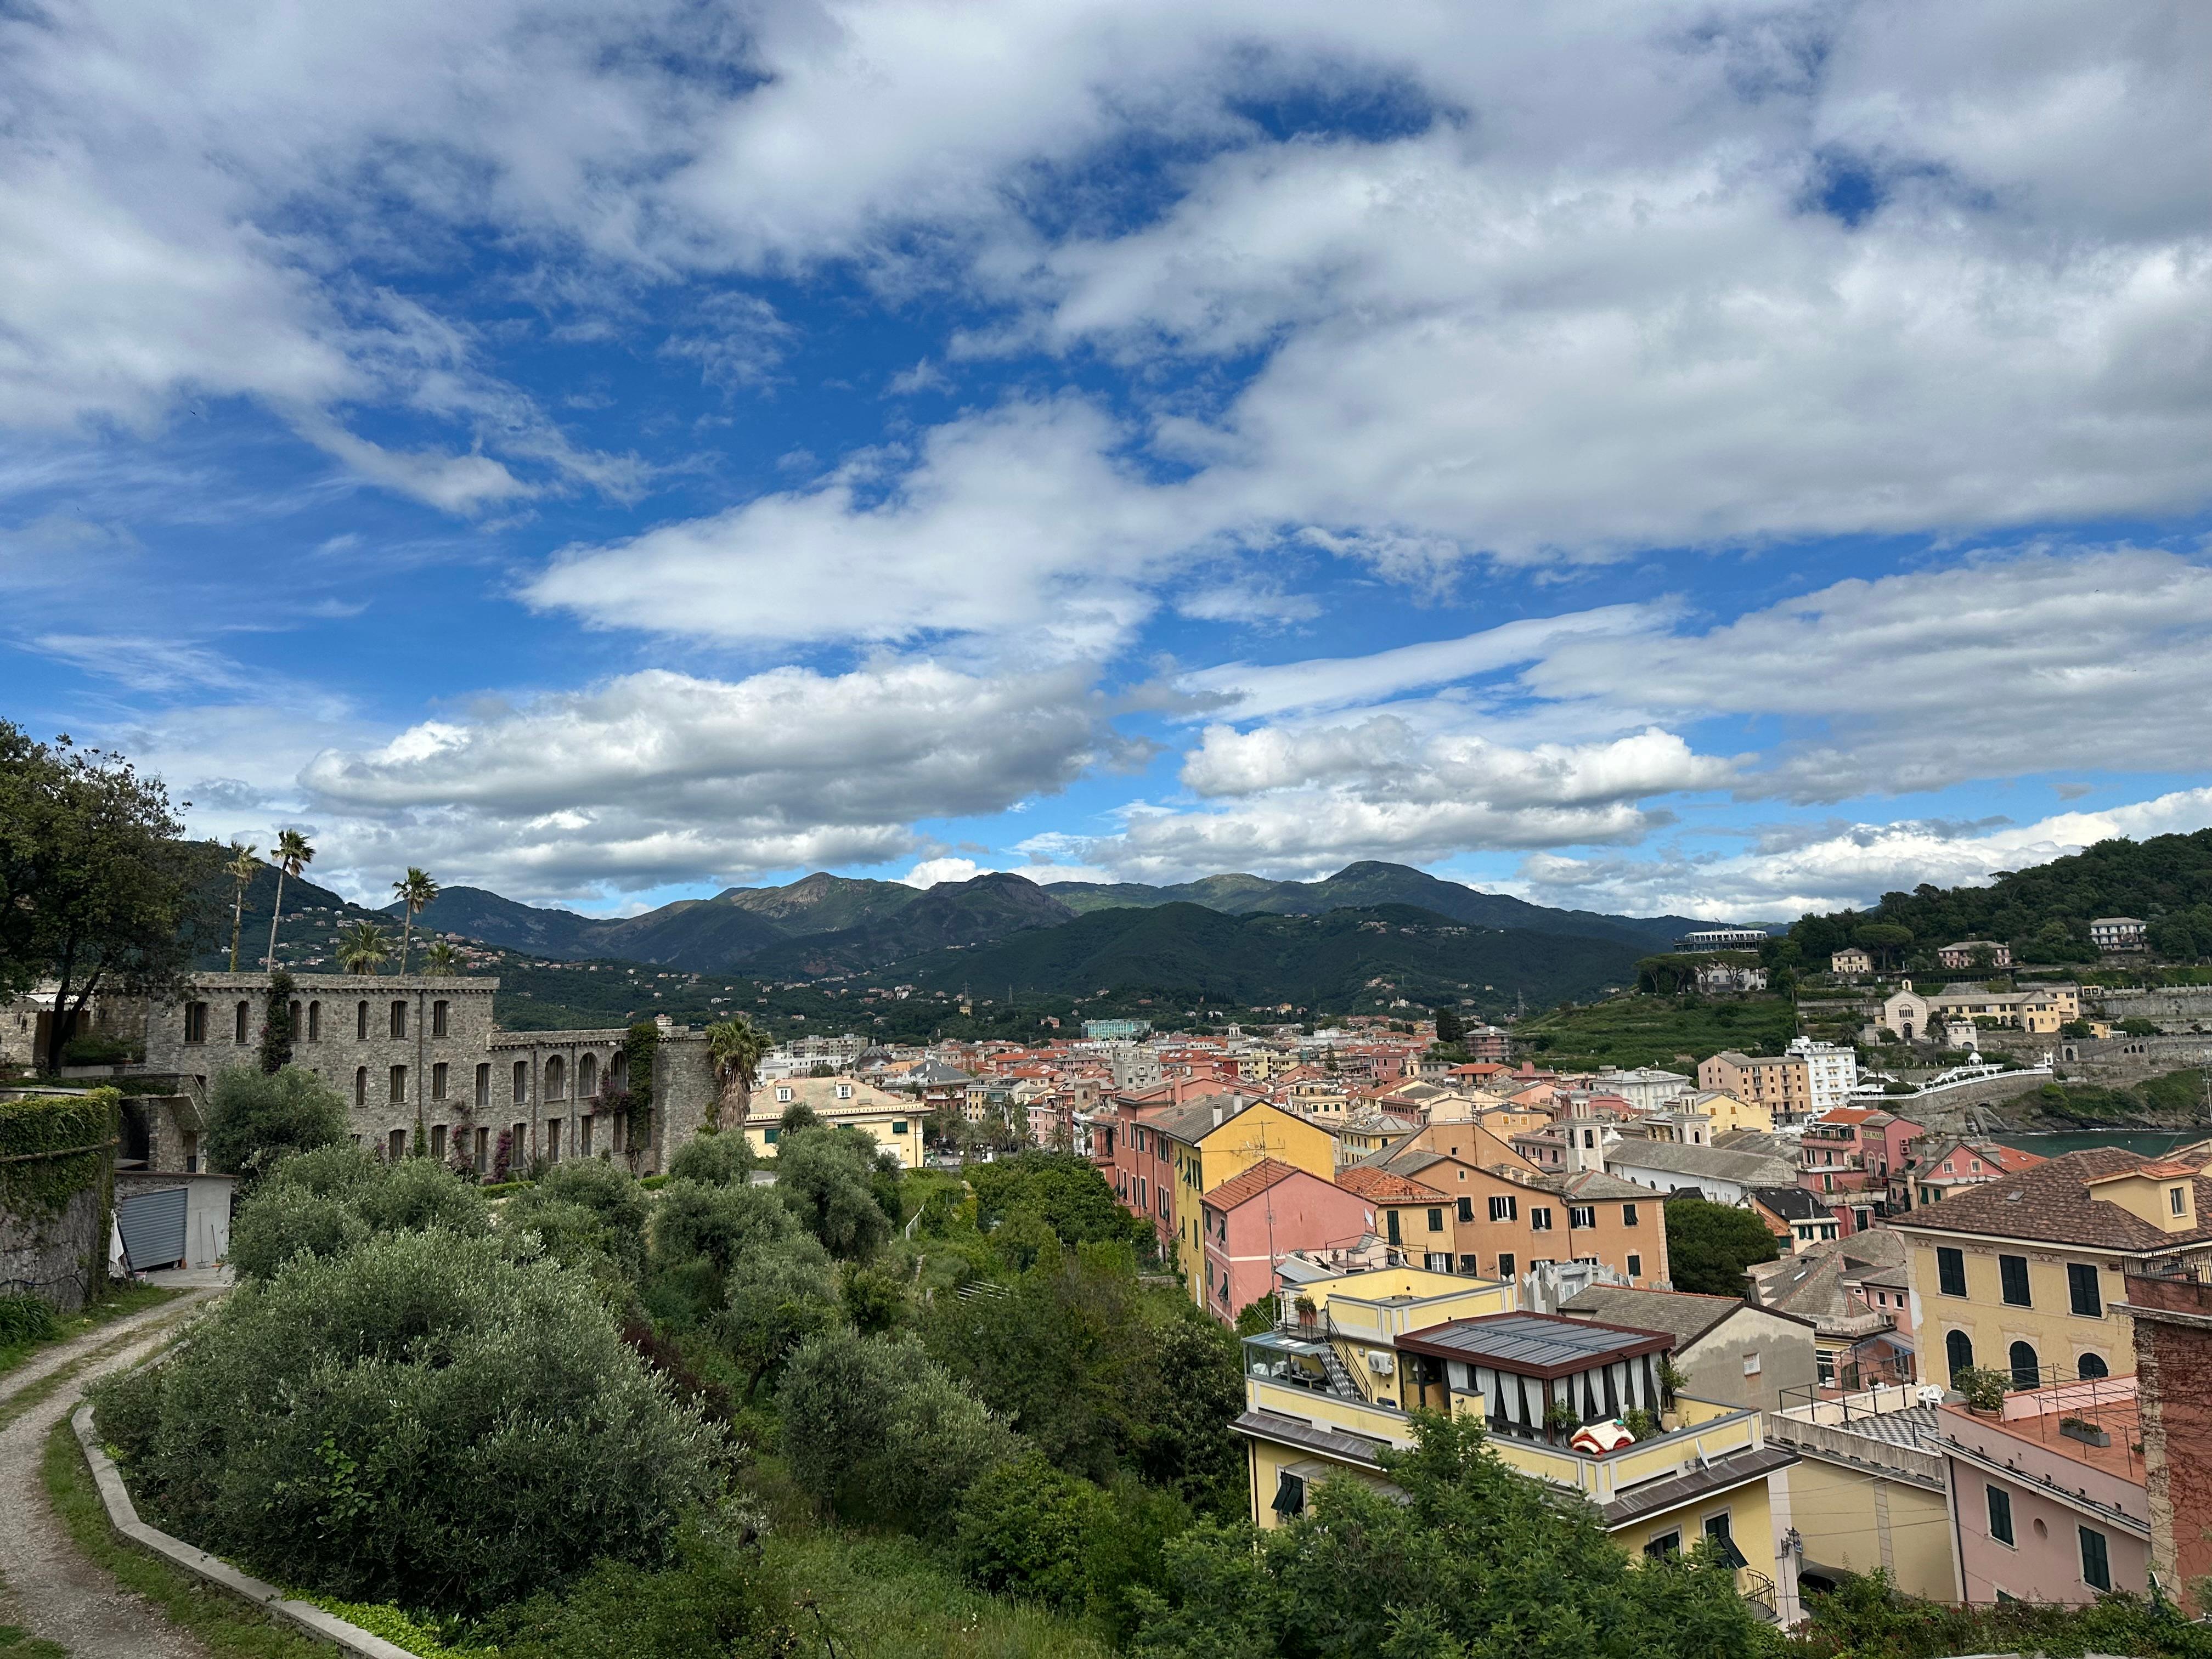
(438, 1081)
(483, 1085)
(1436, 1221)
(2000, 1507)
(438, 1017)
(1628, 1215)
(398, 1085)
(196, 1022)
(2082, 1291)
(1505, 1265)
(1951, 1271)
(1581, 1215)
(1504, 1207)
(1539, 1218)
(2096, 1560)
(1466, 1209)
(2012, 1281)
(399, 1019)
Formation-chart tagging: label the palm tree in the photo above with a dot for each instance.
(363, 947)
(735, 1046)
(291, 856)
(241, 871)
(417, 892)
(440, 959)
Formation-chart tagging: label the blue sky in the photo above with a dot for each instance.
(1712, 458)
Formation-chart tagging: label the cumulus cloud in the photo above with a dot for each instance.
(1305, 800)
(659, 777)
(1004, 523)
(1995, 666)
(1849, 866)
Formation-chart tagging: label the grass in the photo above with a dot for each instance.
(226, 1626)
(114, 1305)
(1651, 1030)
(881, 1596)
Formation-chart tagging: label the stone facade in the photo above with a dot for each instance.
(2173, 1371)
(416, 1049)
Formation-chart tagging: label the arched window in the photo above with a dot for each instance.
(315, 1021)
(2027, 1369)
(398, 1019)
(361, 1022)
(521, 1081)
(238, 1021)
(618, 1071)
(296, 1017)
(2091, 1366)
(1959, 1352)
(360, 1084)
(587, 1077)
(557, 1080)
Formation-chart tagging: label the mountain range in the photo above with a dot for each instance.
(827, 924)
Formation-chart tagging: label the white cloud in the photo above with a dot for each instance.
(657, 777)
(1852, 866)
(1996, 666)
(1009, 523)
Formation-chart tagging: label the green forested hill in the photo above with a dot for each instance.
(1340, 961)
(2044, 913)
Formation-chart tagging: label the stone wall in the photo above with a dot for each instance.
(2173, 1322)
(55, 1257)
(684, 1089)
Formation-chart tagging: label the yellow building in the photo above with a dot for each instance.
(2021, 1273)
(1869, 1493)
(895, 1120)
(1212, 1138)
(1360, 1317)
(1729, 1111)
(1708, 1474)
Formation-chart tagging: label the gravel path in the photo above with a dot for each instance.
(56, 1593)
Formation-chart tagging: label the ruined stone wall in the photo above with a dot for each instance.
(2172, 1321)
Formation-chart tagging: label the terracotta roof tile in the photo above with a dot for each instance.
(1242, 1188)
(1381, 1187)
(2053, 1203)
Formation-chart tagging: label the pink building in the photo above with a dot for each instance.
(2048, 1494)
(1851, 1156)
(1253, 1220)
(1135, 1160)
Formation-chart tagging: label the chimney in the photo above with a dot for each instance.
(1217, 1115)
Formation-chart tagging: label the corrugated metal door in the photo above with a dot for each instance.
(153, 1226)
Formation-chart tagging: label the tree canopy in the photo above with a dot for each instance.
(1709, 1245)
(256, 1119)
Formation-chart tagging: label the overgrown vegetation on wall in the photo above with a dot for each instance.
(53, 1147)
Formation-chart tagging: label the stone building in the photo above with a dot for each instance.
(416, 1049)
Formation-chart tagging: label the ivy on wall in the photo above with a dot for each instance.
(640, 1043)
(53, 1147)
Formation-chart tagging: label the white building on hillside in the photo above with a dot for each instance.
(1831, 1071)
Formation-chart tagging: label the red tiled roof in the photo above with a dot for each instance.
(2053, 1203)
(1381, 1187)
(1242, 1188)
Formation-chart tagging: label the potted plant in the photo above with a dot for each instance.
(2082, 1429)
(1983, 1388)
(1561, 1420)
(1307, 1313)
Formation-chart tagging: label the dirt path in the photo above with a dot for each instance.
(56, 1593)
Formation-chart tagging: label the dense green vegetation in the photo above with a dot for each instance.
(1477, 1562)
(2175, 1097)
(29, 1323)
(1655, 1031)
(2044, 913)
(257, 1119)
(1866, 1619)
(1342, 961)
(1709, 1245)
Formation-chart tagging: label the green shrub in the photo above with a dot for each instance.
(717, 1224)
(27, 1318)
(1023, 1529)
(326, 1202)
(718, 1600)
(713, 1159)
(96, 1049)
(256, 1119)
(421, 1421)
(876, 1431)
(776, 1297)
(827, 1178)
(584, 1209)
